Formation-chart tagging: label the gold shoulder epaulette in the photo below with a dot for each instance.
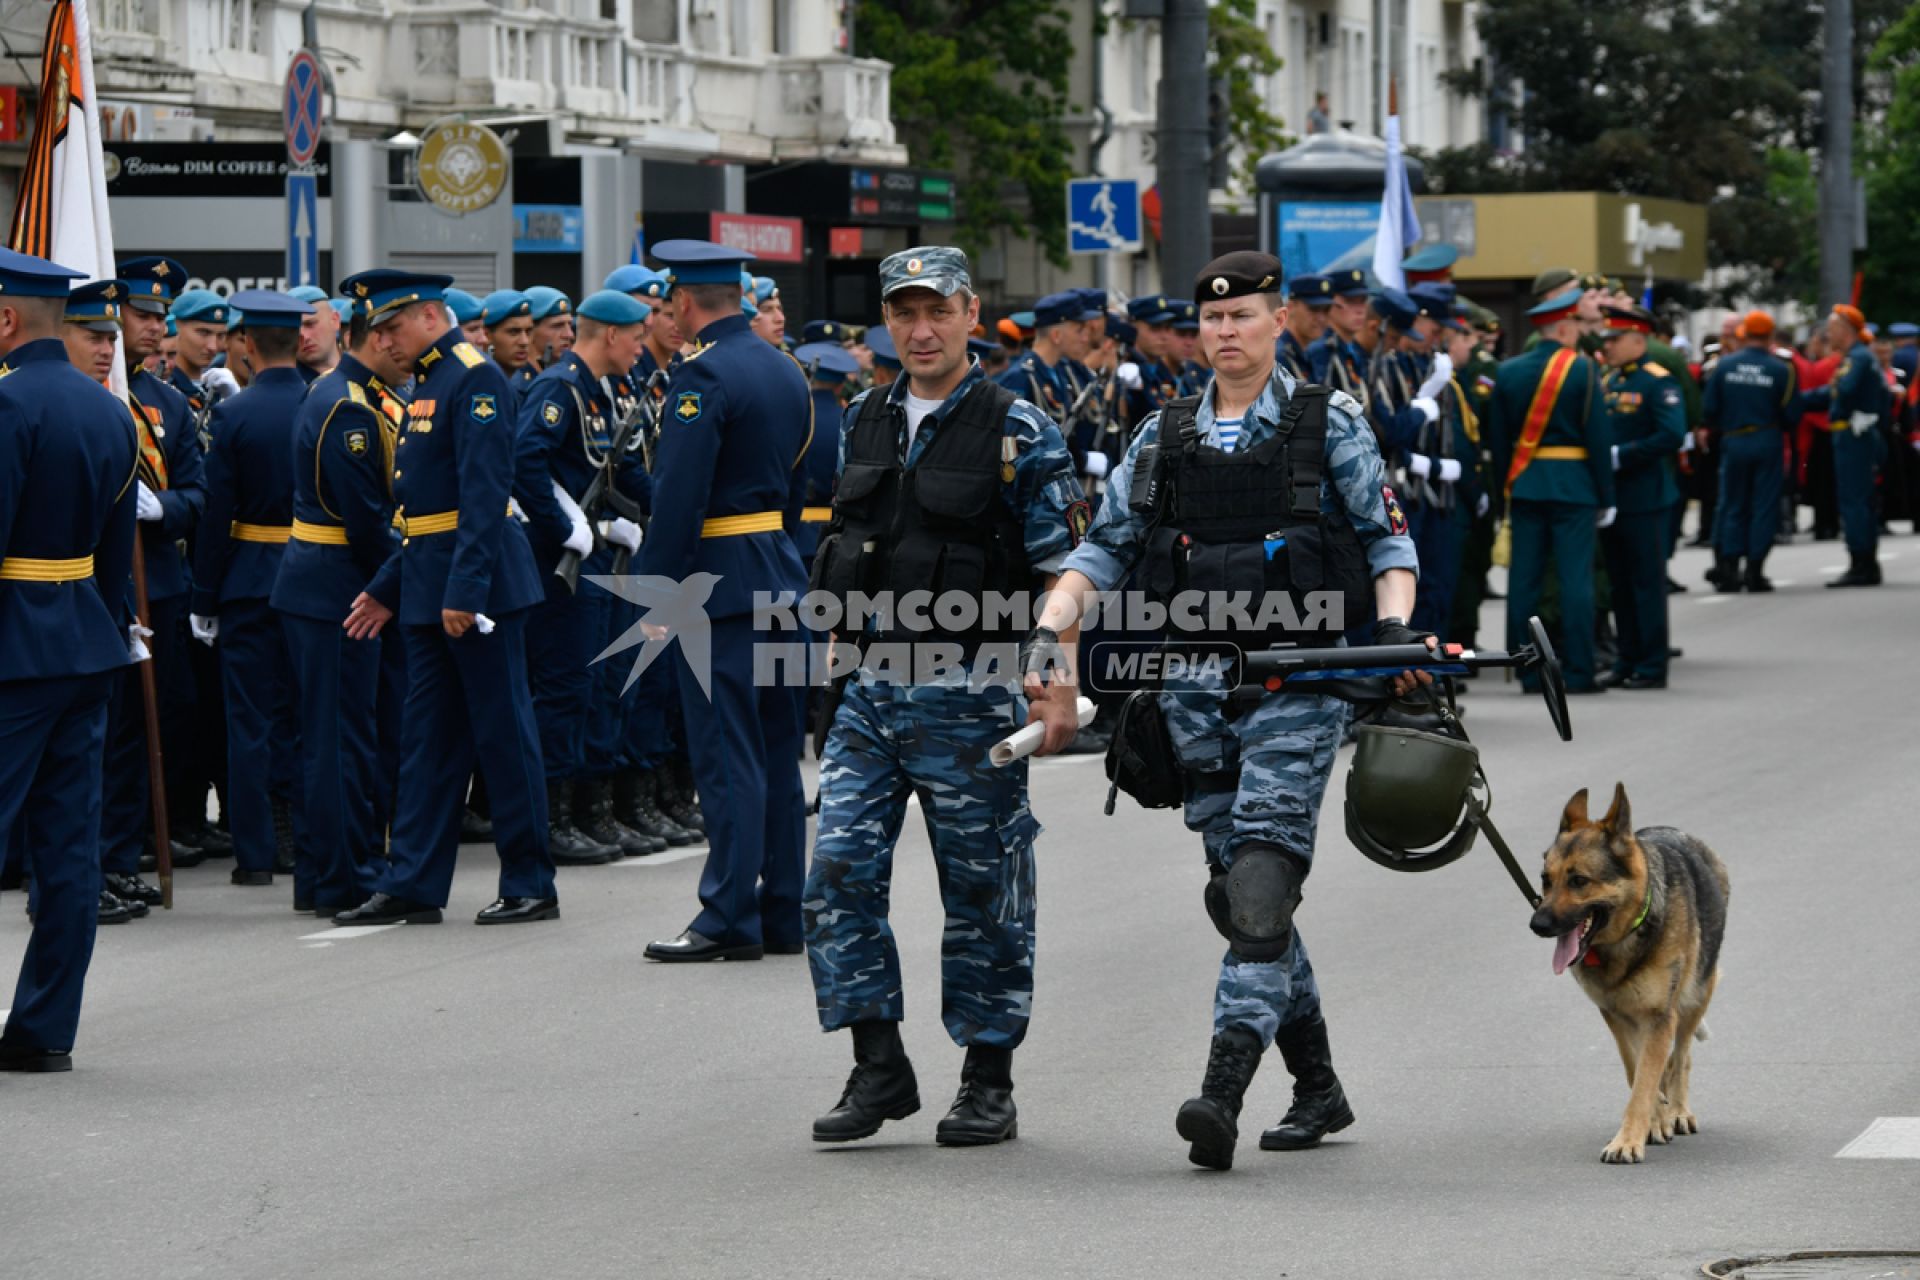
(468, 354)
(355, 394)
(1657, 370)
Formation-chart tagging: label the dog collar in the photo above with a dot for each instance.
(1644, 907)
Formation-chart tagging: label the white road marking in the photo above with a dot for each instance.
(1889, 555)
(1715, 599)
(662, 859)
(1887, 1138)
(1785, 582)
(341, 934)
(1830, 568)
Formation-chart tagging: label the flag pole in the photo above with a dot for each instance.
(150, 699)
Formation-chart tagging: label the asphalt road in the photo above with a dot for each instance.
(257, 1095)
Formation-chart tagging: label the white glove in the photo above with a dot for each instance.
(483, 624)
(205, 630)
(1616, 457)
(1129, 375)
(137, 637)
(1421, 465)
(220, 383)
(1428, 408)
(622, 532)
(1449, 470)
(1861, 423)
(1480, 507)
(1097, 465)
(1604, 520)
(1437, 380)
(146, 504)
(580, 541)
(1686, 443)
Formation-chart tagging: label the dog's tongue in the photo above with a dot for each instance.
(1564, 950)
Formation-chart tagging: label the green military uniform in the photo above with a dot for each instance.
(1565, 483)
(1646, 412)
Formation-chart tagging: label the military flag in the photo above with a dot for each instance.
(1399, 224)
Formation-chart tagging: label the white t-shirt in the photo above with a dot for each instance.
(917, 410)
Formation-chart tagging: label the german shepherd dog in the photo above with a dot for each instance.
(1638, 916)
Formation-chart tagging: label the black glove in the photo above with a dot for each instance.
(1041, 655)
(1389, 631)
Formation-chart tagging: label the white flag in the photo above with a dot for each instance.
(1399, 224)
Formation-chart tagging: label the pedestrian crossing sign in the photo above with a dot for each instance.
(1103, 215)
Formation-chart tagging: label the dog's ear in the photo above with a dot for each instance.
(1576, 812)
(1619, 819)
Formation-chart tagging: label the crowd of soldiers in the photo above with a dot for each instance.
(385, 539)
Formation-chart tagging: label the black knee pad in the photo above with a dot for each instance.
(1215, 897)
(1262, 890)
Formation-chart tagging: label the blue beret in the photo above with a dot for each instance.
(611, 306)
(173, 328)
(631, 278)
(24, 276)
(880, 342)
(152, 282)
(342, 308)
(308, 293)
(504, 304)
(547, 303)
(384, 289)
(97, 305)
(700, 261)
(465, 307)
(826, 361)
(1024, 320)
(764, 289)
(265, 309)
(199, 304)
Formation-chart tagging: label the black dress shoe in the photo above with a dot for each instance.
(474, 829)
(131, 888)
(1608, 679)
(24, 1057)
(213, 842)
(1675, 588)
(519, 911)
(983, 1112)
(303, 903)
(1644, 682)
(690, 947)
(250, 879)
(785, 948)
(112, 911)
(383, 908)
(184, 855)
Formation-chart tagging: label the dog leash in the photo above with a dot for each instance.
(1477, 813)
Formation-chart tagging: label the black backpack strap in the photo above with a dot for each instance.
(983, 408)
(1182, 418)
(1304, 425)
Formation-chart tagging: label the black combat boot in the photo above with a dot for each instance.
(1211, 1121)
(1756, 581)
(593, 818)
(881, 1087)
(1319, 1103)
(283, 851)
(568, 847)
(1725, 574)
(679, 798)
(635, 805)
(983, 1112)
(1863, 571)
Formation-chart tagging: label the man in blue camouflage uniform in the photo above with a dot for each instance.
(963, 472)
(1255, 770)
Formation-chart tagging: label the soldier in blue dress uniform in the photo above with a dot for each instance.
(460, 586)
(727, 483)
(1858, 403)
(67, 472)
(1751, 401)
(563, 442)
(552, 314)
(1309, 298)
(1337, 359)
(471, 315)
(237, 556)
(1039, 375)
(508, 317)
(342, 533)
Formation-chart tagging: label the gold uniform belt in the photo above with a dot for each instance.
(1560, 453)
(1747, 431)
(734, 526)
(244, 532)
(438, 522)
(23, 569)
(816, 515)
(331, 535)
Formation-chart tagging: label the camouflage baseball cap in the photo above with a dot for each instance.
(1552, 281)
(941, 268)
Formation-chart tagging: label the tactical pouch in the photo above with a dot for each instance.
(1140, 758)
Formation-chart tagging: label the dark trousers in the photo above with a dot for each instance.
(1469, 592)
(207, 757)
(1750, 478)
(744, 747)
(1820, 485)
(53, 736)
(1854, 458)
(389, 710)
(468, 702)
(648, 719)
(1436, 539)
(604, 742)
(564, 632)
(262, 734)
(1636, 554)
(1558, 534)
(337, 682)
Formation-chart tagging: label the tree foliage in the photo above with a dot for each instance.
(1243, 61)
(980, 87)
(1892, 152)
(1715, 102)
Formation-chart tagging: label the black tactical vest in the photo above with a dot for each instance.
(1249, 522)
(941, 526)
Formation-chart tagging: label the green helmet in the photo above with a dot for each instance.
(1406, 793)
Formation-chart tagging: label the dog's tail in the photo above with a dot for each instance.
(1701, 1033)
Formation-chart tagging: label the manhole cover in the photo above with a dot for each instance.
(1820, 1265)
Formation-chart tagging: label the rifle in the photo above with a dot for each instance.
(603, 494)
(1093, 392)
(150, 702)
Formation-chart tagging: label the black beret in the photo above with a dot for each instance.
(1237, 274)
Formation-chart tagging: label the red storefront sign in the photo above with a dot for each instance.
(768, 239)
(844, 242)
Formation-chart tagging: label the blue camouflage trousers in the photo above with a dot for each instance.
(888, 742)
(1257, 778)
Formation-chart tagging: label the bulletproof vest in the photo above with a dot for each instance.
(1249, 522)
(940, 526)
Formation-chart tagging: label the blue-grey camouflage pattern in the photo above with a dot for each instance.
(1281, 747)
(890, 741)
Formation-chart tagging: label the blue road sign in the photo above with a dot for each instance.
(303, 230)
(1103, 215)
